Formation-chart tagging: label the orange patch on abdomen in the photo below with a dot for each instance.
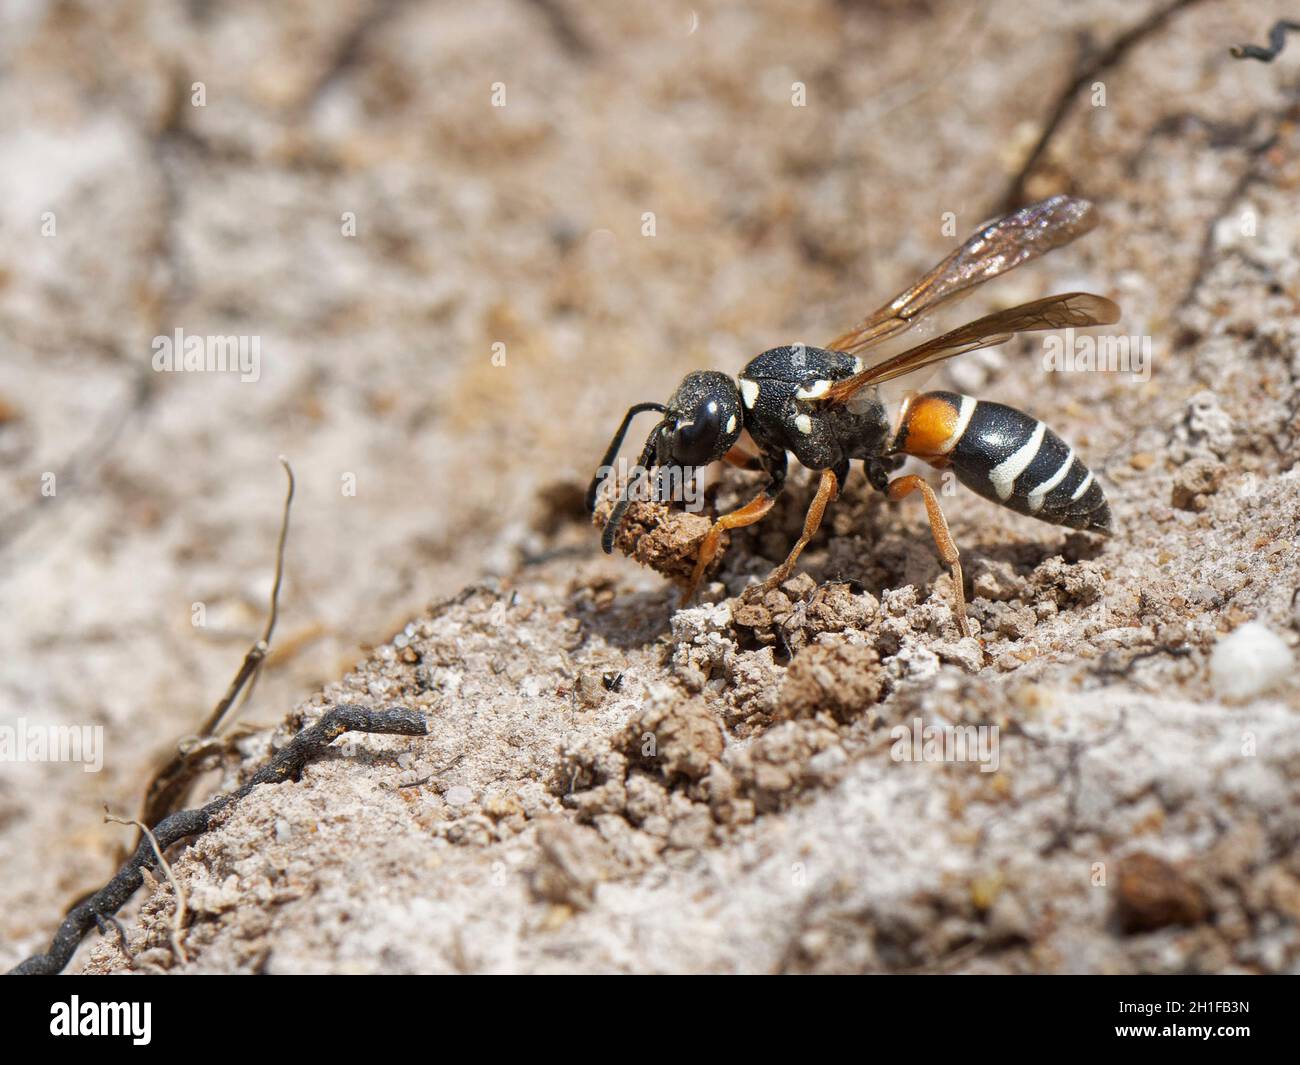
(931, 422)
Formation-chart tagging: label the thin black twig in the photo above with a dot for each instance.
(1276, 42)
(1107, 667)
(286, 764)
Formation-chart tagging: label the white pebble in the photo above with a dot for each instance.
(459, 795)
(1249, 661)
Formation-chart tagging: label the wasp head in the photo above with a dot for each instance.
(700, 424)
(703, 420)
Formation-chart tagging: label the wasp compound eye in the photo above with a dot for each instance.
(695, 441)
(706, 418)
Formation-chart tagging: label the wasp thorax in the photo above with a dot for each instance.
(703, 419)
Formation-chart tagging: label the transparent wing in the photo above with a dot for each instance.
(999, 246)
(1077, 309)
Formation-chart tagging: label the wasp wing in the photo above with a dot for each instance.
(1076, 309)
(999, 246)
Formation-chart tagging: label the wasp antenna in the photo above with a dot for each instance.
(612, 452)
(612, 525)
(624, 500)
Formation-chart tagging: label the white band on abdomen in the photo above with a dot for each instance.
(1039, 494)
(964, 415)
(1004, 474)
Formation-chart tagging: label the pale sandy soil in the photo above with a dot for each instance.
(1138, 820)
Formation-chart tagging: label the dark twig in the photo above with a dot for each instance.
(1276, 42)
(170, 785)
(1107, 667)
(1087, 72)
(286, 764)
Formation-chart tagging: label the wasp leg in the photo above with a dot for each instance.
(753, 511)
(738, 456)
(774, 462)
(905, 486)
(827, 491)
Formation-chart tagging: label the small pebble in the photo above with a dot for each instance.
(1249, 661)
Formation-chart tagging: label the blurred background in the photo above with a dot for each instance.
(467, 237)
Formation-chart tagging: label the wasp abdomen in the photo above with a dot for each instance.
(1006, 456)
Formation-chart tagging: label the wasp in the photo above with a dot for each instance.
(825, 407)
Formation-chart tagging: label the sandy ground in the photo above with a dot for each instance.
(455, 301)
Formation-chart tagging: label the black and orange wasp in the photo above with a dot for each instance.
(824, 406)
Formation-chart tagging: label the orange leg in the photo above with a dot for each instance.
(905, 486)
(753, 511)
(738, 456)
(827, 491)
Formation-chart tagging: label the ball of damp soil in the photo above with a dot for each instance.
(665, 539)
